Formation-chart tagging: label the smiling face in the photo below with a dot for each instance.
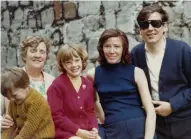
(36, 56)
(73, 66)
(113, 49)
(152, 35)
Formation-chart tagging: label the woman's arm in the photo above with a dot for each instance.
(98, 108)
(142, 84)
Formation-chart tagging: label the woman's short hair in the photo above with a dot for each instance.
(33, 42)
(66, 52)
(126, 56)
(13, 78)
(149, 9)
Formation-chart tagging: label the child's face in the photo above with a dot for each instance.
(18, 95)
(73, 67)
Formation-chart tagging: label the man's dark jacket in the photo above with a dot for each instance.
(174, 78)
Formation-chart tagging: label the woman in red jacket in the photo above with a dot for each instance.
(71, 97)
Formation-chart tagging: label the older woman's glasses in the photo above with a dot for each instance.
(155, 23)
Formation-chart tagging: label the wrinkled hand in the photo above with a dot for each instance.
(85, 134)
(6, 122)
(164, 108)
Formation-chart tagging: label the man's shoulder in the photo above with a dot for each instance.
(175, 42)
(138, 47)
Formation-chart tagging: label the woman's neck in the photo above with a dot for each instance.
(157, 47)
(34, 73)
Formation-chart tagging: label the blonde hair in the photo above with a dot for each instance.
(13, 78)
(32, 41)
(66, 52)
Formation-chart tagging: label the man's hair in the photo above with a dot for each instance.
(66, 52)
(149, 9)
(13, 78)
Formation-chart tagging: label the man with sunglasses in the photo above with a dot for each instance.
(167, 65)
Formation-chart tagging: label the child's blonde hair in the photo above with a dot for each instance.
(66, 52)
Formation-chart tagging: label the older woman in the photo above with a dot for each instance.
(34, 53)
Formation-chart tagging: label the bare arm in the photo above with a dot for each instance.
(7, 120)
(142, 84)
(98, 108)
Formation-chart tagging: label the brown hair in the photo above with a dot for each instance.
(13, 78)
(66, 52)
(126, 56)
(149, 9)
(32, 41)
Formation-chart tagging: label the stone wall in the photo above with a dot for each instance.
(79, 22)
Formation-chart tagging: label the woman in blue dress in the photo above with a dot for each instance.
(123, 90)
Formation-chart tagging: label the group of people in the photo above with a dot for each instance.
(130, 93)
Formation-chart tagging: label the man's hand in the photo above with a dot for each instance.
(164, 108)
(6, 122)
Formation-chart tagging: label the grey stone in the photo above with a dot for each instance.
(92, 48)
(132, 42)
(19, 15)
(91, 22)
(186, 35)
(6, 19)
(175, 32)
(3, 55)
(19, 58)
(48, 3)
(187, 12)
(170, 12)
(25, 33)
(11, 57)
(15, 38)
(73, 33)
(17, 22)
(178, 9)
(54, 71)
(111, 5)
(126, 21)
(38, 4)
(110, 20)
(88, 8)
(3, 5)
(4, 37)
(13, 3)
(93, 34)
(32, 23)
(51, 61)
(24, 3)
(47, 16)
(130, 5)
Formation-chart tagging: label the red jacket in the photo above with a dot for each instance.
(71, 110)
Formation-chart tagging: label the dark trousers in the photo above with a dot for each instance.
(133, 128)
(176, 130)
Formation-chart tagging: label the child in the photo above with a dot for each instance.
(28, 109)
(71, 97)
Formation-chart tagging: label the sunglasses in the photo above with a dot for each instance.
(155, 23)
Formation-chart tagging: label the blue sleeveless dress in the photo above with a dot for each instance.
(120, 100)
